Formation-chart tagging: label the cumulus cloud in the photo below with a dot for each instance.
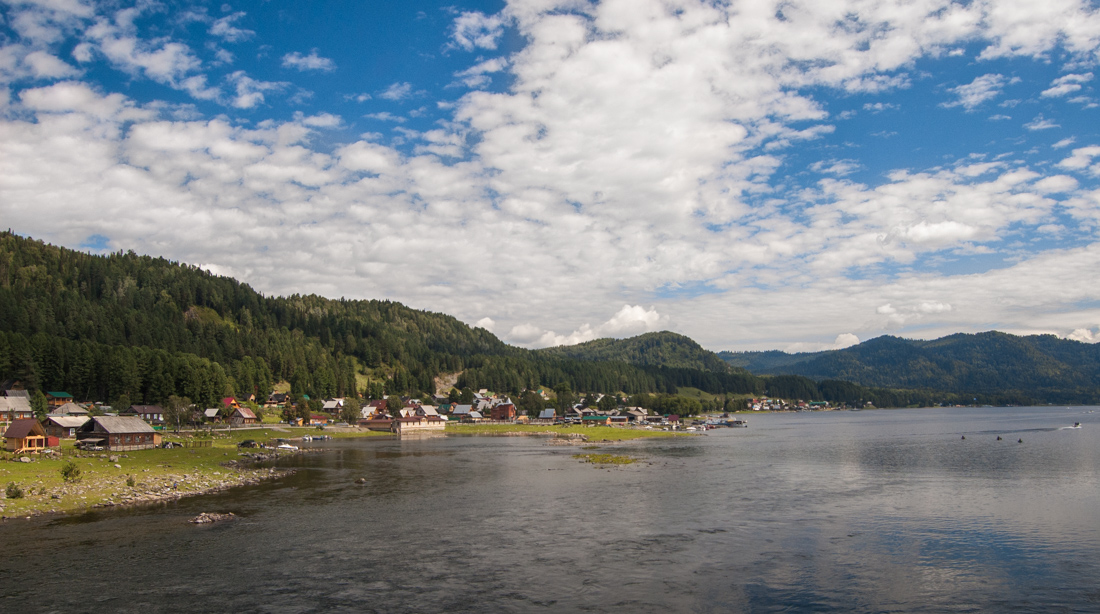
(312, 61)
(1066, 84)
(473, 29)
(223, 28)
(636, 156)
(843, 340)
(250, 92)
(397, 91)
(981, 89)
(629, 321)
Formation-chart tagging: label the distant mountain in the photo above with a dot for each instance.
(662, 349)
(1041, 366)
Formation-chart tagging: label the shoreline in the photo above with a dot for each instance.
(161, 475)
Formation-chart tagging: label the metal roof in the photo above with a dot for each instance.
(122, 424)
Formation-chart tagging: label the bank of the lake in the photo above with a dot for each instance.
(213, 461)
(109, 479)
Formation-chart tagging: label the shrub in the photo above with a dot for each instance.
(130, 481)
(70, 472)
(13, 491)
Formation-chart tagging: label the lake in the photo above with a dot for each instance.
(871, 511)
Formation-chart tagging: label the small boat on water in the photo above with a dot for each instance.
(1076, 425)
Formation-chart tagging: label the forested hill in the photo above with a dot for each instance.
(101, 327)
(663, 349)
(1041, 366)
(125, 326)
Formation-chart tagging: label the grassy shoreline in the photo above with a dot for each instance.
(169, 474)
(157, 474)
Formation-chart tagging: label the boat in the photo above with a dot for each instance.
(737, 423)
(1076, 425)
(286, 446)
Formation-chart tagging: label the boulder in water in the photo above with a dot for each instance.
(209, 517)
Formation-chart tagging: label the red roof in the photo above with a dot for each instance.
(227, 401)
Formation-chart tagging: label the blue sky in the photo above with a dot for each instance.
(757, 175)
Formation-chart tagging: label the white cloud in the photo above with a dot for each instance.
(486, 323)
(629, 321)
(397, 91)
(1066, 142)
(638, 155)
(1066, 84)
(842, 341)
(1040, 123)
(879, 107)
(1080, 157)
(312, 61)
(1085, 335)
(981, 89)
(46, 66)
(473, 29)
(223, 28)
(839, 168)
(250, 92)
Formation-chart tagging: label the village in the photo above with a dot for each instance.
(97, 427)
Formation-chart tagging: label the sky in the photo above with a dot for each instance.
(796, 175)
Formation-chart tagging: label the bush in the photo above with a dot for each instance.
(13, 491)
(130, 481)
(70, 472)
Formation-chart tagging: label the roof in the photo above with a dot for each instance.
(462, 409)
(68, 422)
(14, 404)
(69, 409)
(122, 424)
(22, 427)
(211, 413)
(246, 413)
(60, 395)
(476, 414)
(147, 409)
(547, 413)
(23, 394)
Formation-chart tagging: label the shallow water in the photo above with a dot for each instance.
(871, 511)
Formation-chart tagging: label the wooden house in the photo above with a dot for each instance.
(504, 411)
(57, 399)
(242, 416)
(117, 433)
(153, 414)
(25, 435)
(15, 408)
(64, 427)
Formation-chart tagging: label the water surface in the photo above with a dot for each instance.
(871, 511)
